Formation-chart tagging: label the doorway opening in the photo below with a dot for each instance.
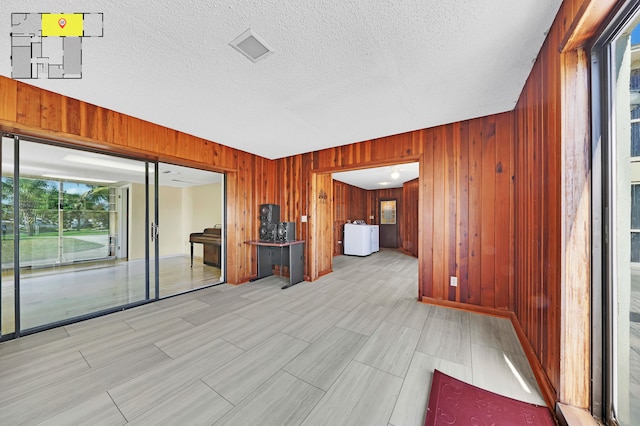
(365, 195)
(331, 208)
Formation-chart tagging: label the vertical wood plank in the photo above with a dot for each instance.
(117, 128)
(488, 183)
(410, 198)
(8, 99)
(439, 203)
(426, 266)
(28, 105)
(50, 110)
(503, 213)
(474, 288)
(463, 214)
(452, 148)
(70, 116)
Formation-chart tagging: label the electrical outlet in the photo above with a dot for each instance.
(454, 282)
(303, 219)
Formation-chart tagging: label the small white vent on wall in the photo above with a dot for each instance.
(251, 45)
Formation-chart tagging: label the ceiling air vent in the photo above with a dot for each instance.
(250, 45)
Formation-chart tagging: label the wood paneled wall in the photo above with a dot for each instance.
(538, 237)
(321, 236)
(466, 188)
(411, 199)
(552, 251)
(350, 203)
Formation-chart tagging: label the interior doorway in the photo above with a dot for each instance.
(386, 196)
(340, 200)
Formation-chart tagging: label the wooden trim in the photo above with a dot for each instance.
(326, 272)
(243, 280)
(82, 142)
(370, 164)
(548, 392)
(494, 312)
(71, 139)
(575, 337)
(546, 388)
(586, 23)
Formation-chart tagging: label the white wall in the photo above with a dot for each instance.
(170, 220)
(182, 211)
(202, 208)
(136, 221)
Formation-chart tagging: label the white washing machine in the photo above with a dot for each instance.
(360, 239)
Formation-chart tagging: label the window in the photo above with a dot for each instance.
(388, 212)
(616, 249)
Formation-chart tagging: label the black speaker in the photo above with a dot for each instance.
(269, 232)
(286, 232)
(269, 213)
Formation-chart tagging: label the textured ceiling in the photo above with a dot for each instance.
(342, 72)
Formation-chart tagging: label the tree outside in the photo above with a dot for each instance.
(58, 221)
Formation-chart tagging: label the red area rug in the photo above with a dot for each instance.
(453, 402)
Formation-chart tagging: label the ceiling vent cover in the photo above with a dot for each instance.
(250, 45)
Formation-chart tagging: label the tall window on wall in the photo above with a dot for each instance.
(635, 223)
(634, 95)
(616, 248)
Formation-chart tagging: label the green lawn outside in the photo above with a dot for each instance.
(45, 246)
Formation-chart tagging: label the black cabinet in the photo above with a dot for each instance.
(289, 254)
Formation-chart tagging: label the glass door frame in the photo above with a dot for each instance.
(18, 332)
(604, 148)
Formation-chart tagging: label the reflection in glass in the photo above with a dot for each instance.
(626, 186)
(87, 229)
(69, 226)
(7, 281)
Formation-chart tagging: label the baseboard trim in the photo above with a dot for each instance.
(325, 272)
(495, 312)
(548, 392)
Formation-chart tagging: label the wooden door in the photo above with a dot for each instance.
(389, 223)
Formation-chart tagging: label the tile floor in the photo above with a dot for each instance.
(352, 348)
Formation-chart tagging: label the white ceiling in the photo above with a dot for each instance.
(343, 71)
(379, 177)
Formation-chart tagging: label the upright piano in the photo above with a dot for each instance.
(211, 240)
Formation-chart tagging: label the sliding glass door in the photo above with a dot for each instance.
(616, 147)
(190, 201)
(63, 234)
(86, 233)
